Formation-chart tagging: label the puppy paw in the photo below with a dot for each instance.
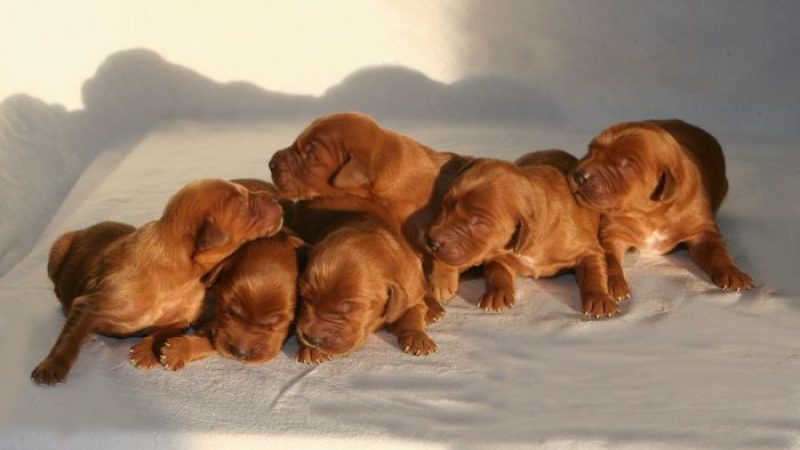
(311, 355)
(443, 284)
(618, 288)
(50, 371)
(416, 343)
(176, 353)
(435, 311)
(599, 306)
(731, 279)
(142, 355)
(497, 299)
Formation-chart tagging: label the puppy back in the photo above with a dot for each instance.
(557, 158)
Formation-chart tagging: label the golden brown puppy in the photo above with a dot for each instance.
(658, 184)
(361, 275)
(521, 219)
(253, 297)
(115, 280)
(349, 153)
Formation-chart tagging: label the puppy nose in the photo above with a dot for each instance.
(433, 244)
(272, 164)
(238, 352)
(580, 176)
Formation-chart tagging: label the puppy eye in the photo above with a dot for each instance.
(624, 163)
(273, 319)
(309, 148)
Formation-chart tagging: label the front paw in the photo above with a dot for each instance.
(416, 343)
(497, 299)
(142, 355)
(731, 279)
(600, 305)
(443, 283)
(176, 353)
(50, 371)
(618, 288)
(435, 311)
(311, 355)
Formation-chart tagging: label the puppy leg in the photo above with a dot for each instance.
(442, 282)
(311, 355)
(181, 350)
(708, 251)
(146, 353)
(410, 332)
(499, 293)
(435, 311)
(615, 252)
(79, 326)
(593, 282)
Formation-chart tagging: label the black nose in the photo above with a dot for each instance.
(433, 244)
(580, 176)
(238, 352)
(312, 340)
(272, 164)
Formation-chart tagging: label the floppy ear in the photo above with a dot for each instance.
(209, 236)
(351, 175)
(396, 303)
(519, 237)
(665, 189)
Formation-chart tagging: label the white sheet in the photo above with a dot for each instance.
(684, 366)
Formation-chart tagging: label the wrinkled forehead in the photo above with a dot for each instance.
(479, 182)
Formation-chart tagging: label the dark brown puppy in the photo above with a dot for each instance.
(658, 184)
(253, 298)
(350, 153)
(521, 219)
(115, 280)
(361, 275)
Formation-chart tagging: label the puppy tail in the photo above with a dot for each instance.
(58, 252)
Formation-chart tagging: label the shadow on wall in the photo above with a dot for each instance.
(44, 148)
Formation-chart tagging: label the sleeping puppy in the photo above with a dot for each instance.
(360, 276)
(253, 297)
(521, 219)
(115, 280)
(658, 184)
(349, 153)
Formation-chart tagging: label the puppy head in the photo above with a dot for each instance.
(332, 155)
(217, 216)
(485, 212)
(356, 280)
(628, 166)
(253, 312)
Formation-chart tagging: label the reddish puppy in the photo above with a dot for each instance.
(521, 219)
(658, 184)
(115, 280)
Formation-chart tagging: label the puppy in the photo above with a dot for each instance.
(115, 280)
(361, 275)
(349, 153)
(253, 297)
(658, 184)
(521, 219)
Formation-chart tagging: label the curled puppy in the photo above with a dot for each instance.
(115, 280)
(658, 184)
(521, 219)
(349, 153)
(253, 295)
(360, 276)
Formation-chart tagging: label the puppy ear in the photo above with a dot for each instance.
(351, 175)
(396, 303)
(209, 236)
(210, 278)
(519, 237)
(665, 189)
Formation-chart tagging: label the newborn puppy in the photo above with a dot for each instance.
(115, 280)
(253, 304)
(658, 184)
(349, 153)
(360, 276)
(521, 219)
